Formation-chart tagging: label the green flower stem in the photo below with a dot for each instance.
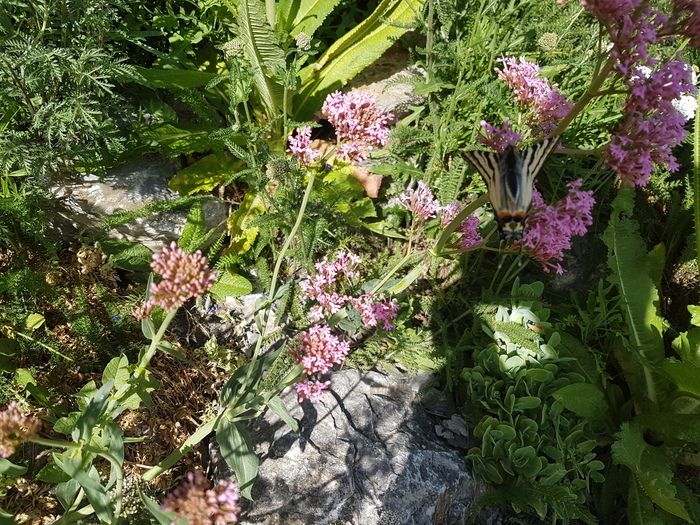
(56, 443)
(145, 360)
(696, 181)
(591, 93)
(437, 251)
(177, 454)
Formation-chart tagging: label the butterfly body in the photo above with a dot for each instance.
(509, 177)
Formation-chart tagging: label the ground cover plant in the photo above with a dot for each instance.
(569, 340)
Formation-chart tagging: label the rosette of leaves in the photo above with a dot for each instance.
(539, 455)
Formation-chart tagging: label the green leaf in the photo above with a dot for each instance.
(205, 174)
(195, 233)
(651, 467)
(242, 234)
(584, 400)
(7, 468)
(6, 518)
(173, 141)
(262, 50)
(66, 424)
(307, 15)
(230, 285)
(694, 315)
(8, 348)
(127, 255)
(24, 377)
(88, 478)
(52, 473)
(117, 371)
(353, 52)
(238, 452)
(34, 321)
(685, 375)
(277, 406)
(639, 297)
(173, 78)
(148, 329)
(399, 286)
(93, 412)
(67, 491)
(163, 517)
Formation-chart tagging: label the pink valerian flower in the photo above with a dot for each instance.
(651, 126)
(376, 308)
(184, 276)
(200, 504)
(300, 146)
(310, 390)
(15, 429)
(359, 123)
(449, 212)
(468, 228)
(319, 349)
(419, 201)
(499, 139)
(546, 103)
(320, 287)
(550, 227)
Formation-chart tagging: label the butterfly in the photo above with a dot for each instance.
(509, 177)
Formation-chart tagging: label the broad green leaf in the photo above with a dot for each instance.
(67, 491)
(685, 375)
(687, 346)
(126, 255)
(173, 78)
(66, 424)
(640, 509)
(173, 141)
(277, 406)
(383, 228)
(230, 285)
(353, 52)
(52, 473)
(7, 468)
(651, 466)
(694, 315)
(584, 400)
(242, 234)
(399, 286)
(34, 321)
(88, 478)
(238, 451)
(93, 412)
(262, 51)
(205, 174)
(148, 329)
(24, 377)
(117, 370)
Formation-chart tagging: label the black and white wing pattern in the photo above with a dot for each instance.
(509, 177)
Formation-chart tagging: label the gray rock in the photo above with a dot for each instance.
(84, 203)
(367, 454)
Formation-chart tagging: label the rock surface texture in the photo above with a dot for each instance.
(366, 455)
(86, 202)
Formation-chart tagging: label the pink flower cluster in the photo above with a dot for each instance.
(545, 102)
(468, 228)
(15, 429)
(652, 125)
(551, 227)
(200, 504)
(183, 276)
(419, 201)
(317, 352)
(499, 139)
(300, 146)
(359, 124)
(319, 349)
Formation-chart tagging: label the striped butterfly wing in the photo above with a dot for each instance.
(488, 164)
(532, 160)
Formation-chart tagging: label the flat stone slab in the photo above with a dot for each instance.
(367, 454)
